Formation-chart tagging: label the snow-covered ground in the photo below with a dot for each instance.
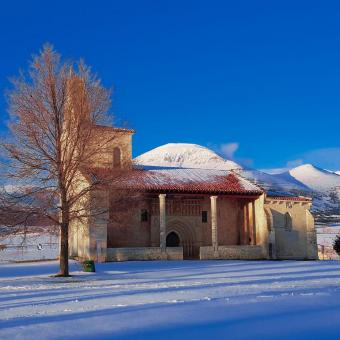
(172, 300)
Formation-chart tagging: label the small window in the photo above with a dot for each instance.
(288, 222)
(144, 215)
(204, 216)
(116, 158)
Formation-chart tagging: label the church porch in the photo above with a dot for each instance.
(184, 226)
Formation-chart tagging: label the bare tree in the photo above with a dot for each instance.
(55, 111)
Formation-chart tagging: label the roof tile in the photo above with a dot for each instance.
(180, 180)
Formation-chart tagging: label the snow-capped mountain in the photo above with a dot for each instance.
(337, 172)
(316, 178)
(323, 184)
(310, 176)
(196, 156)
(185, 155)
(275, 182)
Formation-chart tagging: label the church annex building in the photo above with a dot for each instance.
(180, 213)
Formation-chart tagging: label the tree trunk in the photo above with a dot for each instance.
(64, 271)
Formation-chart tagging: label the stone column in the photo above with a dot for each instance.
(245, 224)
(250, 224)
(254, 224)
(162, 222)
(214, 239)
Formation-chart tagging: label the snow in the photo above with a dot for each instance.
(185, 155)
(192, 156)
(168, 178)
(170, 299)
(273, 182)
(181, 155)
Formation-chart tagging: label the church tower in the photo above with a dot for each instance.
(115, 143)
(117, 153)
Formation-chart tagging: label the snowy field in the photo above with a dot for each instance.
(172, 300)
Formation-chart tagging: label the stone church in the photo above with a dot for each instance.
(171, 213)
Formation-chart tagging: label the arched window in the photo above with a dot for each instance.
(116, 158)
(288, 221)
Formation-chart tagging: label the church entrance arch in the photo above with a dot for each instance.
(173, 240)
(181, 234)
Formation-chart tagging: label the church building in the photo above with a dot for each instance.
(157, 212)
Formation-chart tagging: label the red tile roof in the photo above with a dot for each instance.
(285, 196)
(178, 180)
(290, 198)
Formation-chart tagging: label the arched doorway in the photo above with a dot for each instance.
(186, 235)
(173, 240)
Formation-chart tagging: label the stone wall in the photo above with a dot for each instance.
(79, 233)
(144, 254)
(312, 246)
(293, 224)
(88, 235)
(183, 216)
(229, 219)
(112, 139)
(126, 229)
(233, 253)
(262, 233)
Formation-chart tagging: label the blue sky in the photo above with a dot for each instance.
(257, 80)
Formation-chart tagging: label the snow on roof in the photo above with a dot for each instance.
(193, 156)
(156, 179)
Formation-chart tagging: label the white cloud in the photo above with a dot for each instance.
(228, 150)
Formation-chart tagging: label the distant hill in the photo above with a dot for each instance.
(316, 178)
(184, 155)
